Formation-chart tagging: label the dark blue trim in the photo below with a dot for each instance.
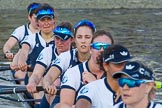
(14, 37)
(84, 97)
(114, 93)
(26, 30)
(67, 87)
(57, 67)
(42, 64)
(25, 43)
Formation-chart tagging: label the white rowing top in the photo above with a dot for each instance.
(99, 94)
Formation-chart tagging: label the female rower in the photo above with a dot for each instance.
(136, 83)
(34, 44)
(19, 34)
(63, 37)
(83, 33)
(84, 73)
(104, 93)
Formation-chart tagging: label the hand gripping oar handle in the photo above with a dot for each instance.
(21, 89)
(40, 88)
(7, 67)
(18, 90)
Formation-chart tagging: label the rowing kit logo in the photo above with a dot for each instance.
(144, 72)
(84, 90)
(37, 45)
(64, 79)
(56, 61)
(124, 53)
(129, 67)
(110, 57)
(40, 57)
(65, 37)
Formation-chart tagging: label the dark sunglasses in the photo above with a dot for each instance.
(62, 30)
(131, 83)
(99, 45)
(87, 23)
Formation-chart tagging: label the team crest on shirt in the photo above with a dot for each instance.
(64, 79)
(37, 45)
(56, 61)
(40, 57)
(84, 90)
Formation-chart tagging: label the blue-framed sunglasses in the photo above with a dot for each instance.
(87, 23)
(45, 12)
(99, 45)
(62, 30)
(32, 7)
(131, 83)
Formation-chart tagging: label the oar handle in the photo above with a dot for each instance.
(21, 89)
(40, 88)
(7, 67)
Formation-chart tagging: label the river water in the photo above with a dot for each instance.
(140, 30)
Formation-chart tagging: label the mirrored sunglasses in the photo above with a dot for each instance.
(63, 30)
(131, 83)
(85, 22)
(99, 45)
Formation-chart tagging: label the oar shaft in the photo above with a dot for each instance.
(5, 67)
(20, 89)
(18, 100)
(6, 79)
(13, 90)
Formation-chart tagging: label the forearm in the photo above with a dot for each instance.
(6, 49)
(34, 79)
(37, 74)
(16, 57)
(14, 64)
(51, 76)
(10, 43)
(23, 55)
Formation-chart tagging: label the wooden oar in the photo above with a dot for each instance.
(19, 89)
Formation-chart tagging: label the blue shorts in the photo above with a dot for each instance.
(44, 103)
(55, 101)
